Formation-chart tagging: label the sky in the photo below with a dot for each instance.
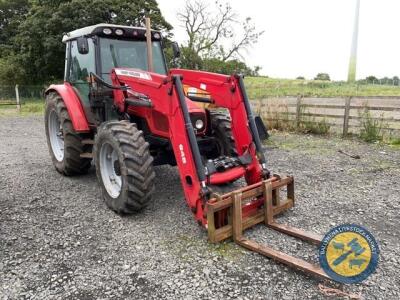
(306, 37)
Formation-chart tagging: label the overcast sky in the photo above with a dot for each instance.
(305, 37)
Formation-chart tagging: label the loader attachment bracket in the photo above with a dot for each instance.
(255, 204)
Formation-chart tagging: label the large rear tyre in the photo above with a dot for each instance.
(65, 144)
(222, 131)
(124, 166)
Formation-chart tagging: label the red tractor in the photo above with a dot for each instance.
(121, 106)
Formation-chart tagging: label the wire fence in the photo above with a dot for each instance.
(10, 94)
(384, 81)
(257, 88)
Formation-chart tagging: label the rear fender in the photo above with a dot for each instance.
(73, 104)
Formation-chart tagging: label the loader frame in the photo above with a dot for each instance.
(256, 203)
(227, 215)
(166, 95)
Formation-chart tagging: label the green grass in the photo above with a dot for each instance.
(394, 142)
(260, 87)
(28, 107)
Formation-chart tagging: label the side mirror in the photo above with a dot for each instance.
(261, 128)
(176, 50)
(83, 45)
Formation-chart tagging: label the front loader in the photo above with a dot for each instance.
(120, 106)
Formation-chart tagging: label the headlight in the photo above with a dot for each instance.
(199, 124)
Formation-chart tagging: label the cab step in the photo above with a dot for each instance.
(88, 142)
(86, 155)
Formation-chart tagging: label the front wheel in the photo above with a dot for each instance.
(124, 166)
(222, 131)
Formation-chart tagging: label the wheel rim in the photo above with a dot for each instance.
(110, 174)
(56, 136)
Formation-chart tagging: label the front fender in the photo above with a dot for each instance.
(73, 104)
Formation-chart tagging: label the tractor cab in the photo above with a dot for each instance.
(100, 48)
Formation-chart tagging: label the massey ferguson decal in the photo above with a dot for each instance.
(136, 74)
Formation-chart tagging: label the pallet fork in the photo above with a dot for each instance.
(240, 219)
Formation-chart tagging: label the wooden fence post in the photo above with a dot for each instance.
(17, 97)
(298, 110)
(346, 116)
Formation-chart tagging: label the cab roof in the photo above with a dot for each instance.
(128, 32)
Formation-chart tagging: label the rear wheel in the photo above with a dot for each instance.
(65, 144)
(124, 166)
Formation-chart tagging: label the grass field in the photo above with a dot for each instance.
(261, 87)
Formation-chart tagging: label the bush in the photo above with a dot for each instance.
(314, 127)
(192, 61)
(309, 124)
(322, 76)
(229, 67)
(371, 129)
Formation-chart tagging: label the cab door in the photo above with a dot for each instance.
(80, 67)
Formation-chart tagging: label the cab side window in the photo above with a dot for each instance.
(81, 64)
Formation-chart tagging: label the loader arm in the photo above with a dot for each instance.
(167, 97)
(228, 92)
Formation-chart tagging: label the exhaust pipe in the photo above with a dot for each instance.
(149, 46)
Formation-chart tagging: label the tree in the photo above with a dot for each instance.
(209, 32)
(371, 79)
(12, 13)
(190, 59)
(322, 76)
(385, 80)
(228, 67)
(300, 78)
(37, 46)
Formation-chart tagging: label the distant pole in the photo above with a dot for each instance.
(353, 55)
(17, 97)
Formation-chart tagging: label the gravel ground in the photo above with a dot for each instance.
(59, 241)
